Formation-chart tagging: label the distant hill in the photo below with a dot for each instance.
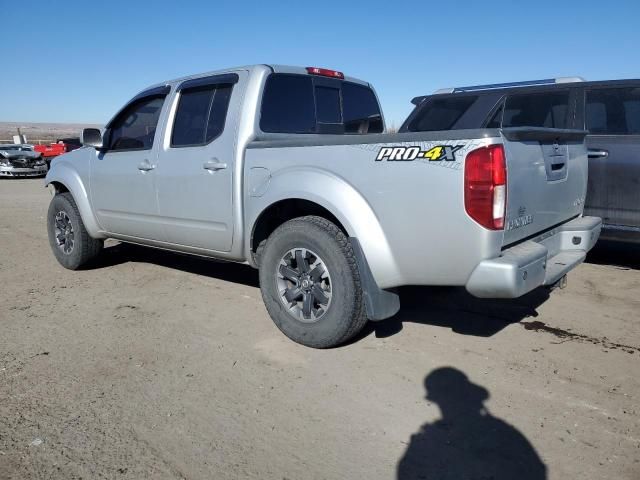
(42, 132)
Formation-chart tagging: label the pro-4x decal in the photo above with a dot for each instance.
(407, 154)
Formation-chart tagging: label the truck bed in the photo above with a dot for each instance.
(410, 213)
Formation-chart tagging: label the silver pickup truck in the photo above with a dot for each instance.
(288, 169)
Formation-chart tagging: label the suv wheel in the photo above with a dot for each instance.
(71, 244)
(310, 283)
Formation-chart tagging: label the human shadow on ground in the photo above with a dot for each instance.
(467, 442)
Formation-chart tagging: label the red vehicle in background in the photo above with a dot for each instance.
(61, 145)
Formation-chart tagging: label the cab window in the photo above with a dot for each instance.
(135, 127)
(288, 105)
(361, 111)
(201, 115)
(294, 103)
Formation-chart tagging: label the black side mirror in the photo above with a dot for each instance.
(91, 137)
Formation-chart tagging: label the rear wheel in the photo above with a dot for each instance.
(310, 283)
(71, 244)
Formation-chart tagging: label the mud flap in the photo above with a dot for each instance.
(380, 304)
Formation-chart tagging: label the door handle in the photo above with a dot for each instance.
(598, 153)
(214, 165)
(145, 166)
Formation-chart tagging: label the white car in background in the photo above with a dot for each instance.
(20, 160)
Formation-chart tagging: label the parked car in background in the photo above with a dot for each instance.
(288, 169)
(60, 146)
(17, 160)
(50, 151)
(70, 143)
(609, 110)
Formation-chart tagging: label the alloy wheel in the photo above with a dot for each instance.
(304, 284)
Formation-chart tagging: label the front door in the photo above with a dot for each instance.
(613, 121)
(123, 178)
(196, 164)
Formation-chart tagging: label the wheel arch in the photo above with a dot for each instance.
(327, 196)
(283, 210)
(64, 179)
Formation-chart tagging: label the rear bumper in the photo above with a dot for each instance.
(540, 261)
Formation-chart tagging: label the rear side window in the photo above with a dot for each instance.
(305, 104)
(441, 113)
(135, 128)
(613, 111)
(536, 110)
(200, 115)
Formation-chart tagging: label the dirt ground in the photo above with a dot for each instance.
(156, 365)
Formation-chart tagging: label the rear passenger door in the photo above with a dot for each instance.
(612, 117)
(196, 165)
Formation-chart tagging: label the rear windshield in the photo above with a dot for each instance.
(533, 110)
(308, 104)
(441, 113)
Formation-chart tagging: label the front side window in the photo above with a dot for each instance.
(201, 115)
(135, 127)
(613, 111)
(548, 110)
(441, 114)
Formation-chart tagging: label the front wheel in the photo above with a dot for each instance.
(69, 240)
(310, 283)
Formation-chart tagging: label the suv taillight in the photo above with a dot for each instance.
(485, 186)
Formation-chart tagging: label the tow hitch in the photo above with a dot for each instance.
(562, 283)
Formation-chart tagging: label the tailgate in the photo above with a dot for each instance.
(546, 179)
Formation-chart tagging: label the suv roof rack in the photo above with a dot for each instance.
(529, 83)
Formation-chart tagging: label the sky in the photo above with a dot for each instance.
(79, 61)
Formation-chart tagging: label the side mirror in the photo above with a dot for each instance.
(91, 137)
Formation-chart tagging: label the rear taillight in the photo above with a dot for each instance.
(485, 186)
(325, 72)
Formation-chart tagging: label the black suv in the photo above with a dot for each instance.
(608, 110)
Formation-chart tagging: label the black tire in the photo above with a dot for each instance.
(83, 248)
(345, 315)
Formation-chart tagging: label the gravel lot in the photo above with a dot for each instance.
(156, 365)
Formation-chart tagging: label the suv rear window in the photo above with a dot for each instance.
(441, 113)
(613, 111)
(306, 104)
(535, 110)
